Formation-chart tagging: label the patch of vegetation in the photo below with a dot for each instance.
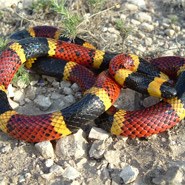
(96, 5)
(22, 75)
(124, 29)
(69, 20)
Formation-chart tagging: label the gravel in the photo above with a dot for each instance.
(91, 157)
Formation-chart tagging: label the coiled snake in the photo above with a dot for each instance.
(100, 92)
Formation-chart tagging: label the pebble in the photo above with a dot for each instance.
(49, 163)
(146, 27)
(143, 17)
(19, 95)
(69, 99)
(112, 157)
(170, 32)
(5, 149)
(131, 7)
(57, 170)
(71, 173)
(46, 149)
(98, 133)
(129, 174)
(67, 90)
(140, 3)
(72, 146)
(13, 104)
(174, 175)
(42, 102)
(97, 149)
(75, 87)
(11, 90)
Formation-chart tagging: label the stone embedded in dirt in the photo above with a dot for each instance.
(75, 87)
(19, 95)
(71, 173)
(13, 104)
(31, 92)
(46, 149)
(99, 147)
(170, 32)
(131, 7)
(48, 78)
(5, 148)
(49, 163)
(11, 90)
(129, 174)
(42, 102)
(72, 146)
(174, 175)
(69, 99)
(56, 96)
(140, 3)
(98, 133)
(146, 27)
(67, 90)
(142, 17)
(57, 170)
(112, 157)
(65, 84)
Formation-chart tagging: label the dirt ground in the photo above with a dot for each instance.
(160, 159)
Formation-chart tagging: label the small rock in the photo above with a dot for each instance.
(11, 90)
(57, 170)
(140, 3)
(169, 32)
(71, 173)
(13, 104)
(67, 90)
(148, 41)
(135, 22)
(112, 157)
(75, 87)
(46, 149)
(131, 7)
(69, 99)
(129, 174)
(174, 175)
(72, 146)
(97, 149)
(21, 179)
(55, 84)
(56, 96)
(142, 17)
(31, 92)
(5, 149)
(49, 163)
(18, 96)
(146, 27)
(65, 84)
(48, 78)
(113, 30)
(43, 102)
(98, 133)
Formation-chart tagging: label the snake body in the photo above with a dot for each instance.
(100, 92)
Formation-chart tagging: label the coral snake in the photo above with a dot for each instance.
(100, 91)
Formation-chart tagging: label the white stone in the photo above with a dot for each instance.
(142, 16)
(69, 99)
(18, 95)
(67, 90)
(98, 133)
(42, 102)
(11, 90)
(72, 146)
(139, 3)
(169, 32)
(146, 27)
(75, 87)
(112, 156)
(49, 163)
(71, 173)
(129, 174)
(131, 7)
(46, 149)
